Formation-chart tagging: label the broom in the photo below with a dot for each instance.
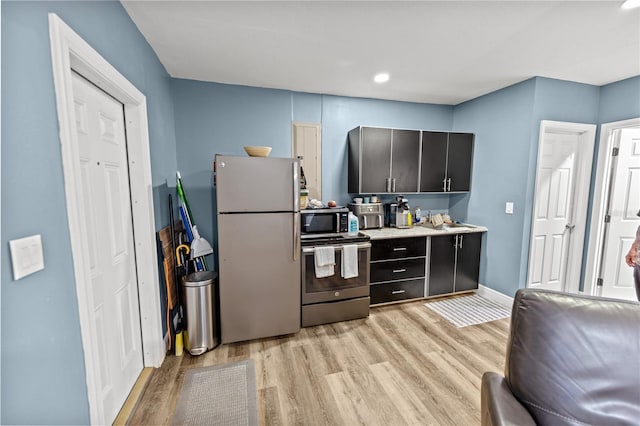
(199, 246)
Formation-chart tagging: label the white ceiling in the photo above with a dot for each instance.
(443, 52)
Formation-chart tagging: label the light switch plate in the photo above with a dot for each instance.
(26, 256)
(508, 209)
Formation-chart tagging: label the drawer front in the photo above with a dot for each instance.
(402, 290)
(397, 270)
(344, 310)
(398, 248)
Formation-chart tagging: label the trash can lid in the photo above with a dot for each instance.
(199, 279)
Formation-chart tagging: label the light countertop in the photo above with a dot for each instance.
(421, 231)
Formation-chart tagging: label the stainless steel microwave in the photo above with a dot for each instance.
(324, 222)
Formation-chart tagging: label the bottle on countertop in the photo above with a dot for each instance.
(354, 226)
(417, 215)
(304, 198)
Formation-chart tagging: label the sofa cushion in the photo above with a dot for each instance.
(575, 359)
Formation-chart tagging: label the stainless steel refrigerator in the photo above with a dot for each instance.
(258, 246)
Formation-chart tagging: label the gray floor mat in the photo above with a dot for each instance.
(218, 395)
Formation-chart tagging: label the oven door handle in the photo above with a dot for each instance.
(338, 247)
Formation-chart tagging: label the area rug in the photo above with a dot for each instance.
(219, 395)
(468, 310)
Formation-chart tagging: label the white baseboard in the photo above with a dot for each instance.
(496, 296)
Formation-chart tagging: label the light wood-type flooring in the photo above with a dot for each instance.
(403, 365)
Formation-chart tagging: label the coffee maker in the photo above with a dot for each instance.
(390, 210)
(396, 215)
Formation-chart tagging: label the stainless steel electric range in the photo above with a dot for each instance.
(334, 298)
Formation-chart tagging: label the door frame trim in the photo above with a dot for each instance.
(600, 197)
(70, 52)
(586, 142)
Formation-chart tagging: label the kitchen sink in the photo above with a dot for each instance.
(453, 226)
(457, 225)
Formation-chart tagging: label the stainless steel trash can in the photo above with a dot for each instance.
(199, 298)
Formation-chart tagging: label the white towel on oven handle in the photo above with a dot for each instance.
(324, 258)
(350, 261)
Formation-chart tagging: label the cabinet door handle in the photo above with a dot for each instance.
(393, 185)
(399, 249)
(449, 185)
(444, 185)
(398, 291)
(461, 237)
(387, 184)
(397, 271)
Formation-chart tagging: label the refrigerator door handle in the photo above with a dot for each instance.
(296, 209)
(296, 235)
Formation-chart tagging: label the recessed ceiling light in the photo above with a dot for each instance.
(630, 4)
(383, 77)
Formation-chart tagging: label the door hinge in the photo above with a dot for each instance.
(615, 152)
(599, 282)
(607, 218)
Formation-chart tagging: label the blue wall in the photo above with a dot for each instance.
(220, 119)
(341, 114)
(43, 379)
(502, 124)
(557, 100)
(507, 127)
(619, 101)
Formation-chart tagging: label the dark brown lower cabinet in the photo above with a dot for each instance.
(468, 262)
(398, 266)
(442, 263)
(397, 290)
(398, 269)
(454, 263)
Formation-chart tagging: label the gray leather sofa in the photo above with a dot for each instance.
(570, 360)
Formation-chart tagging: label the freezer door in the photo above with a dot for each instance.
(259, 274)
(255, 184)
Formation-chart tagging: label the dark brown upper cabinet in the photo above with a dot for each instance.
(383, 160)
(447, 158)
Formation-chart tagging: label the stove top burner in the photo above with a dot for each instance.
(337, 240)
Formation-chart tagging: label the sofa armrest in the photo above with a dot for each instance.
(499, 406)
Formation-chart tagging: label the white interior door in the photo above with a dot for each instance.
(624, 203)
(307, 145)
(108, 243)
(559, 212)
